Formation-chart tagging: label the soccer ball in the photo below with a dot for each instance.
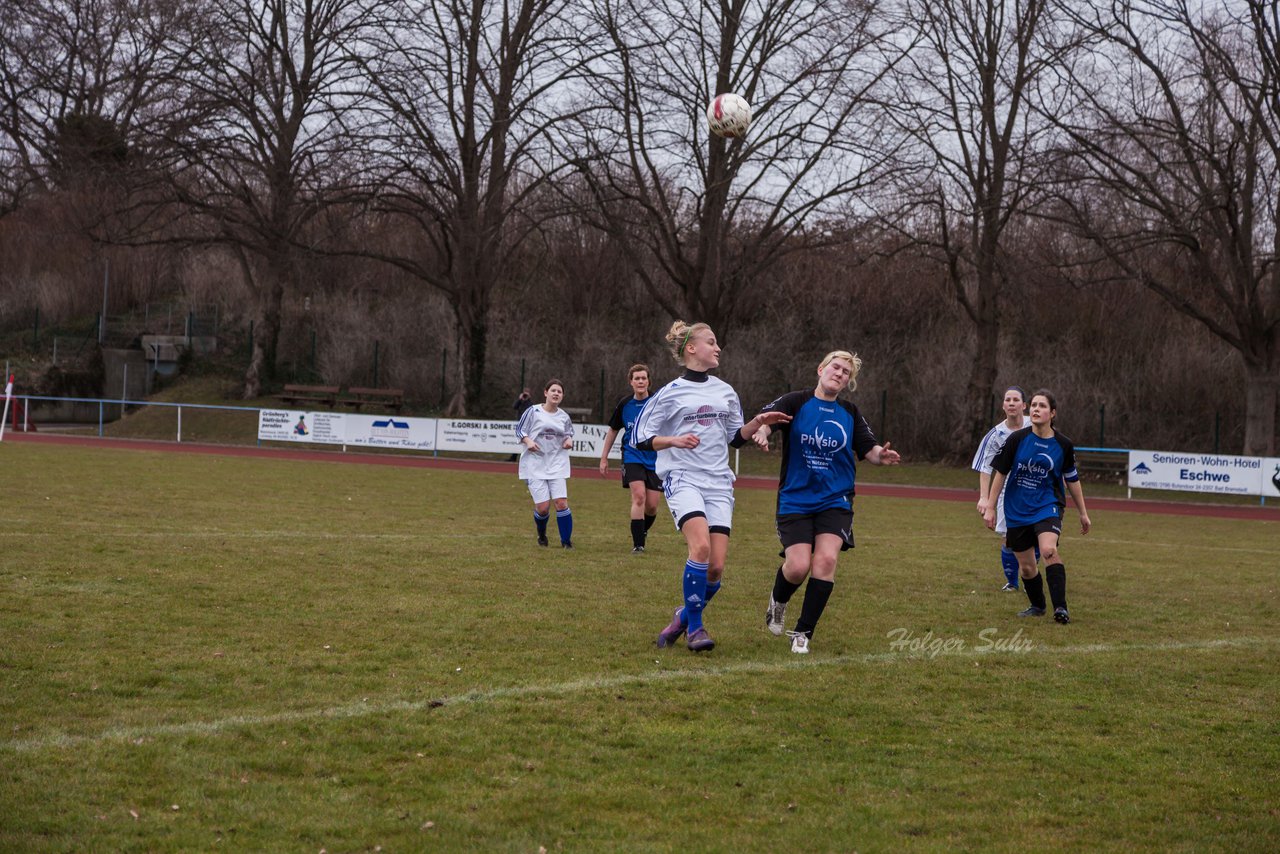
(728, 115)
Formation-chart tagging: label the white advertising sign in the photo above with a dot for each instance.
(289, 425)
(1195, 472)
(391, 431)
(588, 439)
(1271, 477)
(476, 436)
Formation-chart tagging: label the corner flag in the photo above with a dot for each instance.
(8, 395)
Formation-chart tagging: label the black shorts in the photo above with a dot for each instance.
(636, 471)
(1023, 537)
(797, 528)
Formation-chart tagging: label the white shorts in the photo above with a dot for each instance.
(548, 490)
(716, 503)
(1002, 527)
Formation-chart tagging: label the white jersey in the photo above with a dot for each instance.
(991, 444)
(710, 410)
(549, 430)
(988, 449)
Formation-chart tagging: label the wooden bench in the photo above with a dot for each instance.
(326, 394)
(577, 413)
(1112, 466)
(389, 398)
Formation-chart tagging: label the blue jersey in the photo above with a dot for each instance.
(624, 421)
(1034, 471)
(820, 448)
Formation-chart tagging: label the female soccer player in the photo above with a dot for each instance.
(1035, 462)
(638, 467)
(691, 422)
(546, 431)
(821, 445)
(1015, 410)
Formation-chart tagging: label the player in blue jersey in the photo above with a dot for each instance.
(1035, 462)
(821, 444)
(546, 432)
(692, 422)
(639, 473)
(1015, 418)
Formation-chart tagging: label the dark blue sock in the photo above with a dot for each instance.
(564, 521)
(695, 593)
(540, 522)
(1009, 561)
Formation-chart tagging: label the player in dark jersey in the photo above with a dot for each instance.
(638, 467)
(820, 448)
(1035, 462)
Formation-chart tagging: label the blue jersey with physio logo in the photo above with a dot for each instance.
(1034, 470)
(624, 420)
(820, 449)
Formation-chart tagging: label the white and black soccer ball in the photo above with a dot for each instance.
(729, 115)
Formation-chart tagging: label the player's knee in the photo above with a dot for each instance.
(714, 573)
(562, 504)
(1049, 556)
(824, 567)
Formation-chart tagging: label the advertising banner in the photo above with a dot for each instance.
(1195, 472)
(391, 431)
(468, 435)
(290, 425)
(1271, 477)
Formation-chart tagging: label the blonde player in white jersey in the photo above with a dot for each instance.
(692, 422)
(546, 431)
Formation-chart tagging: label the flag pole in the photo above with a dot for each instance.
(8, 395)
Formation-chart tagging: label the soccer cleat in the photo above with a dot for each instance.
(799, 642)
(1008, 588)
(700, 641)
(1060, 615)
(565, 544)
(638, 550)
(671, 634)
(774, 615)
(1033, 611)
(542, 541)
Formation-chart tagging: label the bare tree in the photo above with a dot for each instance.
(81, 81)
(1176, 171)
(965, 95)
(262, 140)
(467, 94)
(702, 219)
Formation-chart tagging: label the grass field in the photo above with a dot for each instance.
(214, 652)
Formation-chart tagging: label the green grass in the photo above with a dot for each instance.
(308, 655)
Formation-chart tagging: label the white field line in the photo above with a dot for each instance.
(365, 708)
(124, 531)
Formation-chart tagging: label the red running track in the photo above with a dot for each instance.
(1124, 505)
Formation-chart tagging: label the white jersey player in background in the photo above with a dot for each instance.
(546, 431)
(692, 422)
(1015, 418)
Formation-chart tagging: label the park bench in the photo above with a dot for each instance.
(389, 398)
(326, 394)
(578, 414)
(1109, 466)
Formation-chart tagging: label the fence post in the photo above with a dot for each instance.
(55, 349)
(35, 335)
(251, 339)
(991, 416)
(190, 322)
(444, 362)
(314, 375)
(521, 377)
(1102, 426)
